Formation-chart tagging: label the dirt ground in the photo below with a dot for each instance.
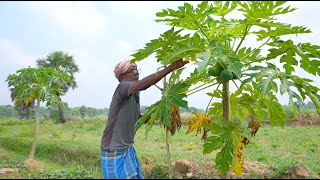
(189, 169)
(305, 120)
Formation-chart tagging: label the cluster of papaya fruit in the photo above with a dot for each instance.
(220, 69)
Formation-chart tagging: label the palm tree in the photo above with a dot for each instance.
(64, 63)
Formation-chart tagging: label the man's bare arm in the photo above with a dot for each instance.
(152, 79)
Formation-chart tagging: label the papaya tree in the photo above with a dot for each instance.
(35, 84)
(62, 62)
(215, 44)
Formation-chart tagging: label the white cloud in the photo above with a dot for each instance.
(124, 47)
(12, 53)
(78, 19)
(94, 79)
(143, 9)
(13, 58)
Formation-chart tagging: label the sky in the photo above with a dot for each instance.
(101, 34)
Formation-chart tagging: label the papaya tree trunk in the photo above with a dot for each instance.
(168, 151)
(34, 142)
(168, 140)
(226, 110)
(226, 100)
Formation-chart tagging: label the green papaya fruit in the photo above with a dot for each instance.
(214, 71)
(226, 75)
(222, 64)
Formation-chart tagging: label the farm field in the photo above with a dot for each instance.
(71, 150)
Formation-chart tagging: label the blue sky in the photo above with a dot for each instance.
(99, 35)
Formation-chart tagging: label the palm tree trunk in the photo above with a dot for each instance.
(61, 111)
(34, 142)
(62, 116)
(20, 114)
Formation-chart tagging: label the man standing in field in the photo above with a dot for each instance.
(118, 156)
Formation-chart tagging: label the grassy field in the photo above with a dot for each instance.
(72, 150)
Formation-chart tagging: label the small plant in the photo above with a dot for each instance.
(63, 174)
(159, 171)
(283, 167)
(190, 146)
(56, 135)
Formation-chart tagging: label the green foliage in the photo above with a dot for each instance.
(13, 164)
(8, 111)
(82, 110)
(30, 83)
(14, 122)
(216, 40)
(160, 110)
(26, 131)
(3, 129)
(283, 167)
(226, 135)
(61, 62)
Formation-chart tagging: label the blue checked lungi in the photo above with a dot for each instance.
(120, 164)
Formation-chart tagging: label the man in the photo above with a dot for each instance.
(118, 156)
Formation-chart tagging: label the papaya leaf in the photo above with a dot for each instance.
(224, 8)
(263, 9)
(235, 68)
(196, 123)
(164, 42)
(187, 49)
(205, 61)
(276, 112)
(313, 93)
(211, 143)
(310, 58)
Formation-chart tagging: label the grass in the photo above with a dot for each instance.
(73, 149)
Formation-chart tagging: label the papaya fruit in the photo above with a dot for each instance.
(214, 71)
(226, 75)
(222, 64)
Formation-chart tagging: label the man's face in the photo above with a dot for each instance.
(132, 74)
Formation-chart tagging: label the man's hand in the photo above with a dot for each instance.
(178, 64)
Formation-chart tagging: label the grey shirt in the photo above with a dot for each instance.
(124, 112)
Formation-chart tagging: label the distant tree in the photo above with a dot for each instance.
(83, 111)
(143, 109)
(91, 111)
(62, 62)
(310, 105)
(8, 111)
(30, 84)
